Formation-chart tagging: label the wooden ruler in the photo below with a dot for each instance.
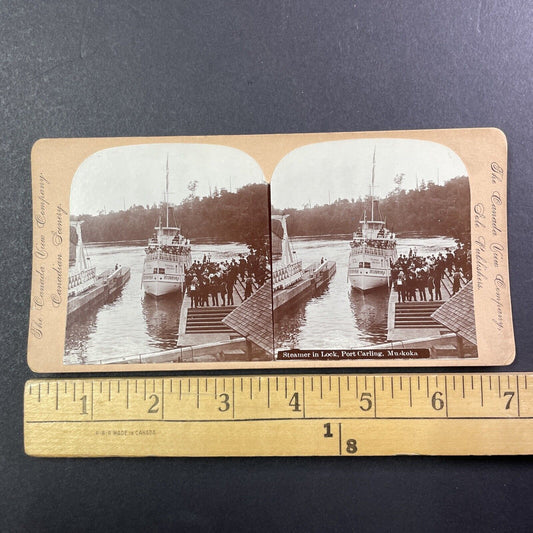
(280, 415)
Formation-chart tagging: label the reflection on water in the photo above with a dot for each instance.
(369, 310)
(339, 317)
(162, 319)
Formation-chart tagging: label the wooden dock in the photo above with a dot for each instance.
(413, 320)
(314, 279)
(107, 286)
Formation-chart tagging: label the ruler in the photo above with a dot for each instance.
(280, 415)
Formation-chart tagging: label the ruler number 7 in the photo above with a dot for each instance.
(510, 394)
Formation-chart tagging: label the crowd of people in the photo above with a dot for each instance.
(412, 274)
(211, 281)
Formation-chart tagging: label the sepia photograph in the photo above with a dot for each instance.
(304, 250)
(371, 248)
(169, 257)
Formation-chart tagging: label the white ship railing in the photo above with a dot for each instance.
(75, 280)
(164, 256)
(284, 277)
(370, 250)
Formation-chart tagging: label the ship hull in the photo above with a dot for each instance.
(161, 287)
(164, 276)
(367, 282)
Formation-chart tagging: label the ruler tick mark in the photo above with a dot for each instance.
(259, 383)
(109, 383)
(508, 382)
(499, 387)
(401, 384)
(339, 387)
(251, 390)
(463, 386)
(321, 387)
(418, 382)
(118, 386)
(303, 396)
(366, 386)
(39, 397)
(472, 381)
(375, 399)
(128, 394)
(135, 387)
(180, 389)
(285, 387)
(391, 387)
(205, 384)
(216, 387)
(454, 382)
(427, 386)
(145, 389)
(276, 383)
(348, 383)
(242, 384)
(233, 397)
(490, 382)
(446, 394)
(312, 384)
(197, 394)
(171, 385)
(517, 396)
(48, 387)
(189, 382)
(65, 387)
(329, 380)
(162, 398)
(410, 393)
(268, 393)
(481, 388)
(356, 387)
(74, 391)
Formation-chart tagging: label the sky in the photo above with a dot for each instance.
(316, 174)
(321, 173)
(112, 179)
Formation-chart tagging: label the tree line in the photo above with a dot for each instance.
(240, 216)
(431, 209)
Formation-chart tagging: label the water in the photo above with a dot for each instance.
(339, 317)
(134, 323)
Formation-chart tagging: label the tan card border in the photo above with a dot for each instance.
(482, 150)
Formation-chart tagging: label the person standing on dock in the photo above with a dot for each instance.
(456, 282)
(229, 288)
(248, 286)
(431, 285)
(436, 281)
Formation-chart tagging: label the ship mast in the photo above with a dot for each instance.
(372, 187)
(166, 191)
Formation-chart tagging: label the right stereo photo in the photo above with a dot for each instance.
(371, 248)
